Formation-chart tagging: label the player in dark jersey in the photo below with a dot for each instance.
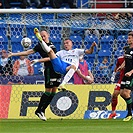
(127, 81)
(52, 79)
(116, 92)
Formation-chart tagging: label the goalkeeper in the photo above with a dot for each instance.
(114, 102)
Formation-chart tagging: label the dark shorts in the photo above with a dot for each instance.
(52, 79)
(127, 82)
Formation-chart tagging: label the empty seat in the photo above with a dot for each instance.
(106, 42)
(77, 41)
(121, 41)
(90, 58)
(3, 28)
(16, 29)
(37, 67)
(30, 30)
(102, 54)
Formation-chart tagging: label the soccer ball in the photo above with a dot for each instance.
(26, 42)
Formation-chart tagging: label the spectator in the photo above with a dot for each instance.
(22, 67)
(58, 3)
(5, 4)
(104, 70)
(5, 64)
(83, 71)
(28, 3)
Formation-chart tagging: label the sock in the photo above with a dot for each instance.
(48, 101)
(45, 47)
(43, 100)
(68, 76)
(114, 103)
(129, 105)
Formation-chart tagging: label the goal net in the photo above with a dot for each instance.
(108, 28)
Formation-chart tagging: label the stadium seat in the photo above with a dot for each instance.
(121, 41)
(15, 17)
(55, 36)
(90, 58)
(106, 42)
(57, 41)
(102, 54)
(16, 29)
(64, 15)
(30, 30)
(37, 67)
(3, 29)
(77, 41)
(3, 42)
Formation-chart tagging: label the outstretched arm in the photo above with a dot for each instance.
(40, 60)
(24, 53)
(91, 49)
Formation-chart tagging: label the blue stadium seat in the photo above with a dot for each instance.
(121, 41)
(30, 30)
(16, 29)
(15, 17)
(57, 41)
(77, 41)
(118, 53)
(55, 36)
(102, 54)
(90, 58)
(64, 15)
(37, 68)
(106, 42)
(3, 42)
(3, 29)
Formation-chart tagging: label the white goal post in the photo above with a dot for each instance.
(47, 10)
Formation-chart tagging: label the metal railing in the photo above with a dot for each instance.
(95, 2)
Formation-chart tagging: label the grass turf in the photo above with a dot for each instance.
(65, 126)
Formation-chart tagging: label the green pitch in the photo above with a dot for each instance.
(65, 126)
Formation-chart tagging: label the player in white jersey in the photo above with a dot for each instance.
(65, 61)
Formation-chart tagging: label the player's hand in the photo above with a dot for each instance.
(118, 69)
(34, 61)
(128, 74)
(10, 54)
(94, 44)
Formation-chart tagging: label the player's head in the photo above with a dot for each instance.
(130, 38)
(68, 44)
(45, 36)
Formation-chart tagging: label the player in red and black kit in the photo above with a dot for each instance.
(116, 92)
(127, 81)
(52, 79)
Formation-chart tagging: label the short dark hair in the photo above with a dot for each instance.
(67, 39)
(130, 33)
